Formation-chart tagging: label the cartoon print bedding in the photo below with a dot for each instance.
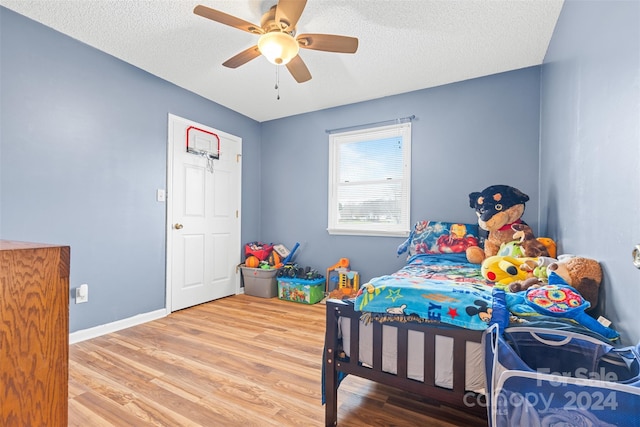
(436, 287)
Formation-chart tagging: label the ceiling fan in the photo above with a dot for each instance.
(278, 40)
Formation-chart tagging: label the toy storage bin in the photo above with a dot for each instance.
(260, 282)
(301, 290)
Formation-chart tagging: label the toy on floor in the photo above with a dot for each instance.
(259, 250)
(342, 263)
(289, 257)
(294, 271)
(346, 281)
(252, 261)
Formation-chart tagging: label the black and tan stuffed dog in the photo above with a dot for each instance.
(498, 208)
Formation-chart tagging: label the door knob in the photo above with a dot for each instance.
(636, 256)
(178, 226)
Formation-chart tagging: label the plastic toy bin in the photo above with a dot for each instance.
(260, 282)
(301, 290)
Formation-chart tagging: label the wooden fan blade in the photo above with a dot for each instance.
(298, 69)
(328, 43)
(226, 19)
(289, 11)
(243, 57)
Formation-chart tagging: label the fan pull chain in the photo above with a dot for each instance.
(278, 82)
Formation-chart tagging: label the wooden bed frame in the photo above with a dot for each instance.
(335, 361)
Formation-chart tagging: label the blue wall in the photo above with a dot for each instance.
(466, 136)
(83, 143)
(83, 149)
(590, 146)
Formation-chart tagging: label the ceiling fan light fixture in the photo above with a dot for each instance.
(278, 47)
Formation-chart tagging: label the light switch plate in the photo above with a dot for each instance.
(160, 195)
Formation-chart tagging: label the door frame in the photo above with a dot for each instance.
(169, 210)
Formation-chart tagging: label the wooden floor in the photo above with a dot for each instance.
(238, 361)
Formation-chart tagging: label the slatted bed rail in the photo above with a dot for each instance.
(335, 360)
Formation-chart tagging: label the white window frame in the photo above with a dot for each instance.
(370, 134)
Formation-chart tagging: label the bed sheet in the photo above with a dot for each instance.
(440, 288)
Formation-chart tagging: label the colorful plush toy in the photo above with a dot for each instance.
(583, 274)
(502, 270)
(530, 246)
(537, 267)
(558, 301)
(523, 285)
(498, 207)
(511, 249)
(550, 244)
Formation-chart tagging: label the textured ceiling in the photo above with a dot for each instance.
(404, 45)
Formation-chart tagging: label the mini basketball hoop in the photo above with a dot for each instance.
(203, 143)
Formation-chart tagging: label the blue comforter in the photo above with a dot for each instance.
(441, 288)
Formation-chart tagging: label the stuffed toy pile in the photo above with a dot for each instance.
(524, 268)
(519, 263)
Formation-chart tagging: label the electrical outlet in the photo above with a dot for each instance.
(82, 293)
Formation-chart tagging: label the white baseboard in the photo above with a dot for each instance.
(118, 325)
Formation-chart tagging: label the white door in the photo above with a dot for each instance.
(203, 213)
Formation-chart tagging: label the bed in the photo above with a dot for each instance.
(418, 329)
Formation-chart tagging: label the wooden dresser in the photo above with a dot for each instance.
(34, 334)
